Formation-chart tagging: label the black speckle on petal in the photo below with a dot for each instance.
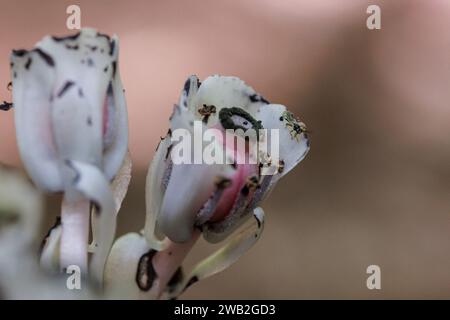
(47, 58)
(187, 86)
(65, 87)
(90, 62)
(257, 98)
(92, 48)
(258, 221)
(103, 35)
(74, 47)
(114, 67)
(28, 63)
(112, 45)
(19, 52)
(71, 37)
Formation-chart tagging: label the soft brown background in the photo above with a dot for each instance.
(375, 188)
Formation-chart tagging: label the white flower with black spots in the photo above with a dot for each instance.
(72, 133)
(186, 200)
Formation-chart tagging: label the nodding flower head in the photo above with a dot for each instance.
(69, 106)
(72, 132)
(217, 198)
(185, 200)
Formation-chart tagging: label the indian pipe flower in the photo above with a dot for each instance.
(72, 133)
(185, 200)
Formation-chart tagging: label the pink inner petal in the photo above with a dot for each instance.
(244, 170)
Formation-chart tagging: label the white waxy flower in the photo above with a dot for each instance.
(184, 200)
(72, 132)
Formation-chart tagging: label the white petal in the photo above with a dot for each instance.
(77, 128)
(114, 154)
(59, 90)
(79, 93)
(189, 187)
(33, 78)
(121, 182)
(188, 94)
(293, 145)
(154, 192)
(226, 255)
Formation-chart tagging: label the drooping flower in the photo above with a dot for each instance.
(185, 200)
(72, 133)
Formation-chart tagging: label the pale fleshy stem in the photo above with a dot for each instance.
(75, 234)
(166, 263)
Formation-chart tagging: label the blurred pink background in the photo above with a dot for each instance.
(375, 187)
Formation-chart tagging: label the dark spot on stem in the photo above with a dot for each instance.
(145, 273)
